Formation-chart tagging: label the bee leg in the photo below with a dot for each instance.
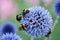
(20, 28)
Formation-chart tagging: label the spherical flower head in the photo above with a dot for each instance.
(8, 27)
(39, 21)
(57, 7)
(10, 36)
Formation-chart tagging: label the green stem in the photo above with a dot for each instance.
(32, 38)
(56, 21)
(46, 38)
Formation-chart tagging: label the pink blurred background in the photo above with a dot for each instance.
(8, 8)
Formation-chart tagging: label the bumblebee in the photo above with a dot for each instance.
(25, 11)
(48, 34)
(23, 26)
(19, 17)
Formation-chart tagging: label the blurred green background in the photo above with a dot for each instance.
(22, 4)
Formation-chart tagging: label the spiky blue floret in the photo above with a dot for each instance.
(7, 27)
(39, 21)
(57, 7)
(10, 36)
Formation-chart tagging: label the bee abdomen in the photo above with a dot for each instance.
(25, 11)
(23, 27)
(48, 34)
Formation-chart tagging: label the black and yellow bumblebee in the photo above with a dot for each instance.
(19, 17)
(23, 26)
(48, 34)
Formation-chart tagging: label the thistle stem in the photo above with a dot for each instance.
(56, 21)
(32, 38)
(46, 38)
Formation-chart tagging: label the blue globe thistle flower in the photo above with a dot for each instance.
(57, 7)
(8, 27)
(10, 36)
(38, 21)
